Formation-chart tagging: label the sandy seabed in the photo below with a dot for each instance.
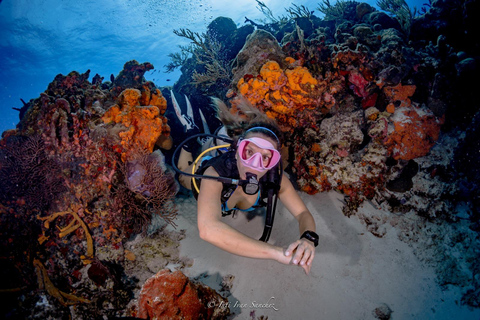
(354, 272)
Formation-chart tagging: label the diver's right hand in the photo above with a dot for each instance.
(281, 257)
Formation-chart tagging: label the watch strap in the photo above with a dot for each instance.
(311, 236)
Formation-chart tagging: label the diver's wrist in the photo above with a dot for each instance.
(310, 236)
(277, 253)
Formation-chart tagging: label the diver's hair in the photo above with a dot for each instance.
(268, 130)
(246, 118)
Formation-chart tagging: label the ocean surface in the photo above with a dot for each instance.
(42, 38)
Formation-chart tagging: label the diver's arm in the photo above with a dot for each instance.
(292, 201)
(212, 229)
(303, 250)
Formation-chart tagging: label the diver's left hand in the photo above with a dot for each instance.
(303, 252)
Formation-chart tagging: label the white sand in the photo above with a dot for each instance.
(354, 272)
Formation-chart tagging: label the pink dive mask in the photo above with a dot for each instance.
(256, 161)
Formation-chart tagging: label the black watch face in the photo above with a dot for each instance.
(311, 236)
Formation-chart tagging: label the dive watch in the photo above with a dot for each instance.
(311, 236)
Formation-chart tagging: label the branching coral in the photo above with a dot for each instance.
(337, 11)
(76, 223)
(296, 11)
(178, 59)
(401, 11)
(263, 8)
(44, 283)
(208, 54)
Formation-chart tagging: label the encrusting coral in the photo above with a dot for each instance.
(284, 95)
(144, 123)
(415, 131)
(171, 295)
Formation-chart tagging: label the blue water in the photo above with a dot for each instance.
(42, 38)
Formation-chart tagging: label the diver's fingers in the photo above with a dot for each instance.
(291, 248)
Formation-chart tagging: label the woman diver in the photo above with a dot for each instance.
(237, 180)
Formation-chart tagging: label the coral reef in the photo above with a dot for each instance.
(80, 176)
(172, 295)
(377, 107)
(365, 98)
(338, 80)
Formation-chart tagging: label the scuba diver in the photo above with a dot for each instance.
(242, 174)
